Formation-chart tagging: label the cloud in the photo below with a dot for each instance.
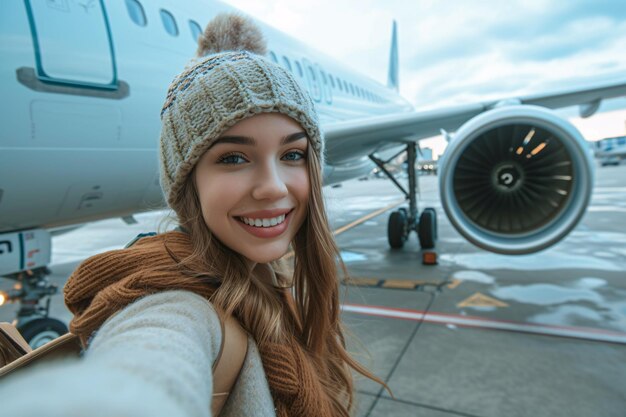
(460, 51)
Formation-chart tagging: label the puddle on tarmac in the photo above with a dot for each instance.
(607, 208)
(595, 236)
(475, 276)
(348, 256)
(590, 282)
(611, 190)
(551, 260)
(567, 315)
(546, 294)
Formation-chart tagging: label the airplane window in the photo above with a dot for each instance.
(332, 80)
(136, 13)
(287, 63)
(196, 30)
(323, 77)
(299, 67)
(168, 22)
(273, 57)
(339, 84)
(352, 90)
(311, 73)
(345, 86)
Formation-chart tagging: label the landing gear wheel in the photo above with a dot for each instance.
(38, 332)
(427, 228)
(397, 228)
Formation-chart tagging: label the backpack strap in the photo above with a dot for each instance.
(12, 344)
(63, 346)
(227, 367)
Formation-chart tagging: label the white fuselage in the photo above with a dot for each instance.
(82, 90)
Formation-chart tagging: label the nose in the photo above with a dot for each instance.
(269, 182)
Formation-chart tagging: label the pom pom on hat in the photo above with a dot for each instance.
(231, 32)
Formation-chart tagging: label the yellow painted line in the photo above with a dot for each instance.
(454, 283)
(399, 284)
(362, 282)
(423, 282)
(481, 300)
(367, 217)
(357, 222)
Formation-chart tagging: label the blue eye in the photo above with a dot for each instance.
(232, 159)
(294, 156)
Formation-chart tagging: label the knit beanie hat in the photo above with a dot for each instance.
(228, 81)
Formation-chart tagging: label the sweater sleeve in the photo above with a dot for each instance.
(153, 358)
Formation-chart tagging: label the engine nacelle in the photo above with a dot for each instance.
(516, 179)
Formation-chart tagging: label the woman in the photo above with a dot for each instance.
(241, 159)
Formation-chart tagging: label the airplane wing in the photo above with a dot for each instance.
(357, 138)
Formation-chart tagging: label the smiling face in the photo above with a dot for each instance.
(253, 185)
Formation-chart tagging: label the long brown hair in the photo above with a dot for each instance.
(259, 306)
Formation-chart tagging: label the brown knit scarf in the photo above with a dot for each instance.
(108, 282)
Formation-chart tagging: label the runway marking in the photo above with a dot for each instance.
(481, 300)
(397, 284)
(584, 333)
(367, 217)
(454, 283)
(358, 221)
(362, 282)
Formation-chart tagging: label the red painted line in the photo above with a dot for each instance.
(485, 323)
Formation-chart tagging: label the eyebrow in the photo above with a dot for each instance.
(246, 140)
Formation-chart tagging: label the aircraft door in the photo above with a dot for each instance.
(72, 42)
(313, 80)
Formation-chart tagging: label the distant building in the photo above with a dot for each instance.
(608, 144)
(610, 151)
(426, 155)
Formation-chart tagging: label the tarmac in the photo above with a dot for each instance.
(478, 334)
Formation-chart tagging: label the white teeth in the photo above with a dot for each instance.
(264, 222)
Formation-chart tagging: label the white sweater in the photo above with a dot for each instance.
(153, 358)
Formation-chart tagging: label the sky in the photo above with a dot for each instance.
(461, 51)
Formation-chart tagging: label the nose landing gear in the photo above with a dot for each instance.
(31, 288)
(403, 221)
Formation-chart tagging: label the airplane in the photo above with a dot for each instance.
(83, 82)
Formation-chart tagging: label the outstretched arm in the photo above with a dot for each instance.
(153, 358)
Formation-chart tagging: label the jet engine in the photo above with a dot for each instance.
(516, 179)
